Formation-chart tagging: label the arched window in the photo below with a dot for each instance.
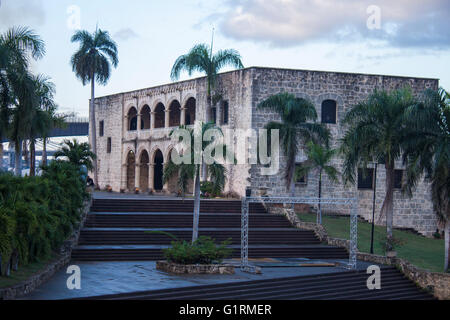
(175, 114)
(329, 111)
(159, 116)
(190, 111)
(145, 118)
(132, 119)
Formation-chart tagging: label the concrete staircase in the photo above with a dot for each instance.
(117, 230)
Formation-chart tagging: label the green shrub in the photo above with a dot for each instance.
(37, 214)
(208, 189)
(202, 251)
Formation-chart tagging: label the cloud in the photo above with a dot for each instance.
(22, 12)
(285, 23)
(125, 34)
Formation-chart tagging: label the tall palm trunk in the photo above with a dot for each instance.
(93, 130)
(44, 152)
(32, 158)
(447, 245)
(388, 205)
(18, 158)
(1, 154)
(25, 153)
(319, 218)
(196, 205)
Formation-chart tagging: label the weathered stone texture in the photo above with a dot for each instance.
(244, 89)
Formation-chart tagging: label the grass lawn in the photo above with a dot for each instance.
(421, 251)
(24, 273)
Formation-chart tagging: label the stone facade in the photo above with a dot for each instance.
(243, 90)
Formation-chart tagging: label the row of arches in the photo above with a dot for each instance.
(161, 117)
(146, 172)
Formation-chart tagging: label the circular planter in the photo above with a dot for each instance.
(194, 268)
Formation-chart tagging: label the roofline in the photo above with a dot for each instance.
(266, 68)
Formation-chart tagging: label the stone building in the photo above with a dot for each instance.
(133, 133)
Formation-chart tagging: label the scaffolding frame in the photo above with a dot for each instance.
(353, 202)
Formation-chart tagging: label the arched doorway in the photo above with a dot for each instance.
(172, 184)
(143, 179)
(158, 173)
(131, 171)
(175, 114)
(132, 119)
(159, 116)
(190, 111)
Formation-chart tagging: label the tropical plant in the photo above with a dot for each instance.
(319, 158)
(16, 94)
(201, 59)
(202, 251)
(92, 63)
(79, 154)
(427, 152)
(375, 132)
(38, 213)
(189, 170)
(297, 127)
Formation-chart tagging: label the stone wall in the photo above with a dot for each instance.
(346, 89)
(243, 90)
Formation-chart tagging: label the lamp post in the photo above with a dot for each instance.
(373, 205)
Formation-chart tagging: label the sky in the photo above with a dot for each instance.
(401, 37)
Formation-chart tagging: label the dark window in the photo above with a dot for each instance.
(329, 111)
(299, 179)
(102, 128)
(108, 146)
(225, 112)
(365, 179)
(214, 114)
(398, 179)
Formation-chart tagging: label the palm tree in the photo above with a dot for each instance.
(201, 59)
(16, 45)
(428, 152)
(375, 132)
(43, 116)
(92, 63)
(79, 154)
(189, 171)
(294, 128)
(319, 158)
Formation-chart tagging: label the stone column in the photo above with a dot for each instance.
(183, 116)
(151, 174)
(123, 177)
(137, 176)
(152, 120)
(218, 114)
(165, 185)
(138, 125)
(126, 126)
(167, 118)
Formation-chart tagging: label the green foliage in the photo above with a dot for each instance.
(201, 59)
(78, 154)
(94, 58)
(202, 251)
(38, 213)
(297, 126)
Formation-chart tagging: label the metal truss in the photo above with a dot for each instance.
(353, 202)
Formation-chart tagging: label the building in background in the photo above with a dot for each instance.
(133, 130)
